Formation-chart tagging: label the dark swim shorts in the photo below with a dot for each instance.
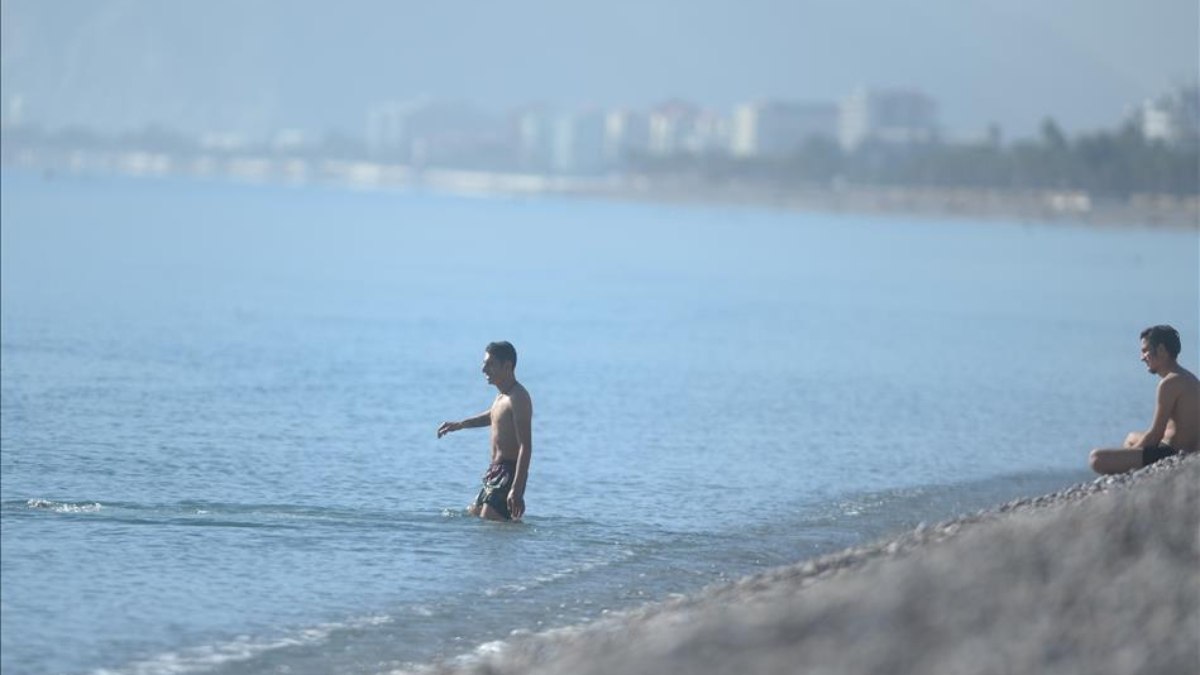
(1152, 455)
(497, 481)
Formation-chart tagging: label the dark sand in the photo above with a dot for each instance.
(1101, 578)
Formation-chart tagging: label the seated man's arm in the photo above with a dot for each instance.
(1168, 394)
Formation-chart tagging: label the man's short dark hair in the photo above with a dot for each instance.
(1162, 335)
(504, 351)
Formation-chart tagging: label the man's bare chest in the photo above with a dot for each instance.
(501, 412)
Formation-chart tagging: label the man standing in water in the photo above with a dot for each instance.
(1176, 425)
(511, 419)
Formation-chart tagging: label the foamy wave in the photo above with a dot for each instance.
(64, 507)
(565, 573)
(493, 649)
(242, 648)
(477, 658)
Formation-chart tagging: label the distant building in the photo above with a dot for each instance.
(710, 133)
(626, 134)
(672, 124)
(889, 115)
(577, 143)
(553, 141)
(778, 128)
(1172, 118)
(388, 128)
(535, 129)
(291, 140)
(429, 130)
(223, 141)
(13, 114)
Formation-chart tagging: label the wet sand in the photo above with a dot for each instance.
(1103, 577)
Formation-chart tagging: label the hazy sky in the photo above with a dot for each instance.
(261, 64)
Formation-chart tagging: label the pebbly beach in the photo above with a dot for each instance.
(1102, 577)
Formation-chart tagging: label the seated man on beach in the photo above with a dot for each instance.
(1176, 425)
(502, 496)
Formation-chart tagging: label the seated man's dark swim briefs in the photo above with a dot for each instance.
(1152, 455)
(497, 481)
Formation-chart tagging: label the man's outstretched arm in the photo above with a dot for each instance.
(481, 420)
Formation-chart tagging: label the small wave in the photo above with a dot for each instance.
(479, 655)
(64, 507)
(242, 648)
(550, 577)
(476, 659)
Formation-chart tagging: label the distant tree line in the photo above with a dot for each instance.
(1109, 163)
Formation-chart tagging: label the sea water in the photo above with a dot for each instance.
(219, 404)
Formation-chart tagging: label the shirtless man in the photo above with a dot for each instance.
(511, 419)
(1176, 425)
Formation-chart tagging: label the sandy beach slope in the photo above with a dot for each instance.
(1101, 578)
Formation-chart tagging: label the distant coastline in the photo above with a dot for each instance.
(1072, 206)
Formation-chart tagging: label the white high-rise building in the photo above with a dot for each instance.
(710, 133)
(14, 112)
(626, 133)
(553, 141)
(887, 115)
(1171, 118)
(426, 128)
(578, 142)
(387, 129)
(779, 128)
(671, 124)
(535, 138)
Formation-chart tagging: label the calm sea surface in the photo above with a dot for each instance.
(218, 405)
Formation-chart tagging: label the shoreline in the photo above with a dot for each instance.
(1021, 205)
(1024, 206)
(1097, 578)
